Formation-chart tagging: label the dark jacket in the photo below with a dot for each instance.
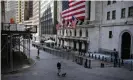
(59, 65)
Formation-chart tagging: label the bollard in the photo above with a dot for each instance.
(92, 55)
(111, 59)
(85, 65)
(102, 65)
(131, 66)
(122, 63)
(99, 57)
(89, 54)
(105, 60)
(102, 58)
(95, 57)
(119, 62)
(89, 64)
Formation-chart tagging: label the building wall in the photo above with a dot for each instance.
(36, 20)
(48, 19)
(116, 6)
(117, 26)
(10, 10)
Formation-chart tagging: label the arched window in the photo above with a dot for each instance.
(80, 32)
(75, 32)
(87, 33)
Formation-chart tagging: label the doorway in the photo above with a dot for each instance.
(125, 45)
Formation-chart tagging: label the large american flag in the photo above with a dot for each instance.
(73, 8)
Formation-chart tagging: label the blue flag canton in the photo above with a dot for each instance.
(65, 5)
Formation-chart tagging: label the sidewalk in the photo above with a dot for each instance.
(19, 65)
(45, 68)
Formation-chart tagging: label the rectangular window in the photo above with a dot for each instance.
(108, 15)
(123, 10)
(114, 14)
(109, 2)
(110, 34)
(130, 11)
(114, 1)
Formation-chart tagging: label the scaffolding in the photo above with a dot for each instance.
(15, 40)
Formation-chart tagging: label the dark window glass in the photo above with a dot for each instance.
(114, 14)
(123, 10)
(130, 11)
(109, 2)
(108, 15)
(110, 34)
(114, 1)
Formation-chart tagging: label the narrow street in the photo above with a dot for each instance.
(45, 69)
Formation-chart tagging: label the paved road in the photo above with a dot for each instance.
(45, 69)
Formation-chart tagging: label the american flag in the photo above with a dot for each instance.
(58, 26)
(74, 21)
(73, 8)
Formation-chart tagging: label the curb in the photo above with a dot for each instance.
(20, 69)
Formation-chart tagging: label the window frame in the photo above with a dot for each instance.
(108, 16)
(114, 15)
(110, 34)
(123, 12)
(129, 13)
(108, 2)
(114, 1)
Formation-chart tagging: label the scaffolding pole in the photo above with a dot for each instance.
(11, 54)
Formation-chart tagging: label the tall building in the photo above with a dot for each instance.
(36, 19)
(24, 12)
(20, 11)
(2, 11)
(10, 10)
(48, 19)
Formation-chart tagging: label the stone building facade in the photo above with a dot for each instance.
(109, 27)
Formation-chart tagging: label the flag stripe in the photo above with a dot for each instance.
(77, 8)
(76, 13)
(80, 17)
(71, 13)
(75, 3)
(74, 8)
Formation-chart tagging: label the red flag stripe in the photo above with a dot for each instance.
(76, 8)
(75, 14)
(67, 11)
(75, 3)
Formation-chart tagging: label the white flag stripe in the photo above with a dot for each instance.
(81, 9)
(72, 3)
(74, 7)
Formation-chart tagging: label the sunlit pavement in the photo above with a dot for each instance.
(45, 69)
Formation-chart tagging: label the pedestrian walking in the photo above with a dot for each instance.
(59, 68)
(116, 56)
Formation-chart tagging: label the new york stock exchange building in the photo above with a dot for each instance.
(108, 27)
